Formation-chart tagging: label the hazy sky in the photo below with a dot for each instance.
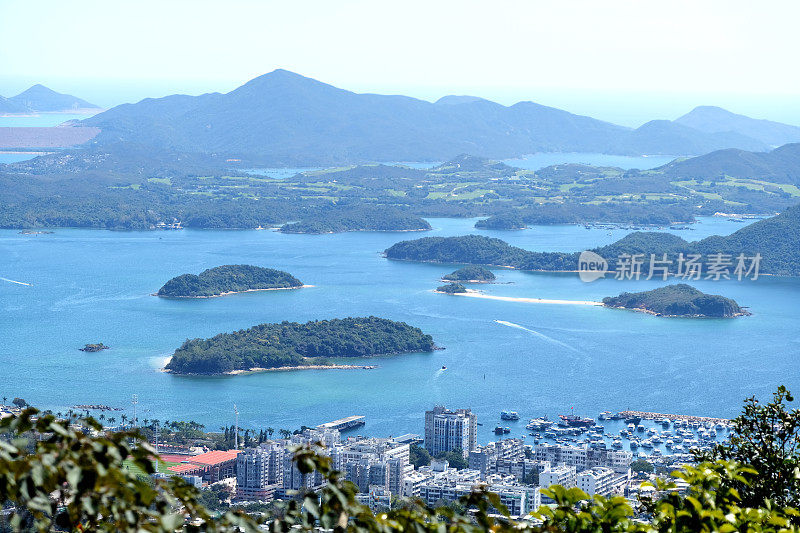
(612, 57)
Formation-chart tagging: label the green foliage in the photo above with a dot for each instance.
(502, 221)
(227, 278)
(292, 344)
(362, 218)
(641, 465)
(766, 437)
(452, 288)
(418, 456)
(470, 273)
(455, 459)
(61, 478)
(677, 300)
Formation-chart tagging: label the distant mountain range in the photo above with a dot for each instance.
(40, 98)
(712, 119)
(283, 119)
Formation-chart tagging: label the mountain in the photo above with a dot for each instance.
(781, 165)
(282, 118)
(10, 106)
(40, 98)
(711, 119)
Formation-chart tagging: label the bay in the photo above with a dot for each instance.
(94, 286)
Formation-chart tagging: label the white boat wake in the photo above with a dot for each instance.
(540, 335)
(17, 282)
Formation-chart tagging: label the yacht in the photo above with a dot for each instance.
(509, 415)
(539, 424)
(605, 415)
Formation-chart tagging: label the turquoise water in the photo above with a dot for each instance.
(94, 286)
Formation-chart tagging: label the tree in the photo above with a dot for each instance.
(455, 459)
(5, 398)
(640, 465)
(270, 431)
(767, 438)
(19, 402)
(418, 456)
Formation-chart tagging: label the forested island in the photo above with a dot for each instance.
(364, 218)
(452, 288)
(502, 221)
(776, 240)
(227, 279)
(679, 300)
(470, 274)
(290, 345)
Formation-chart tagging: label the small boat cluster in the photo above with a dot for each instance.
(651, 436)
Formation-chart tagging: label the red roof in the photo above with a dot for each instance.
(185, 467)
(214, 458)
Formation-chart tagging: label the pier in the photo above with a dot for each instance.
(687, 418)
(344, 423)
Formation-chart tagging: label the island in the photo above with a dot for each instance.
(291, 345)
(228, 279)
(470, 274)
(452, 288)
(364, 218)
(679, 300)
(504, 221)
(94, 347)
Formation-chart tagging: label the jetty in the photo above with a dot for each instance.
(687, 418)
(344, 423)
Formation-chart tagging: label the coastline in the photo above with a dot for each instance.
(653, 313)
(475, 294)
(231, 292)
(276, 369)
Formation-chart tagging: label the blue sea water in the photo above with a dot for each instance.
(95, 286)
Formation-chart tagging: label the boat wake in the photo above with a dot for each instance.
(540, 335)
(17, 282)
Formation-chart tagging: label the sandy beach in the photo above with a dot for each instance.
(476, 294)
(278, 369)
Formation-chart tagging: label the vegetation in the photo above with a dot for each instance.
(455, 459)
(766, 437)
(503, 221)
(470, 273)
(452, 288)
(641, 465)
(679, 300)
(358, 219)
(419, 456)
(226, 279)
(292, 344)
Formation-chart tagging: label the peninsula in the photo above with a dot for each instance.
(291, 345)
(679, 300)
(227, 279)
(470, 274)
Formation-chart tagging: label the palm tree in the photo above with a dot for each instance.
(285, 433)
(270, 431)
(4, 399)
(112, 420)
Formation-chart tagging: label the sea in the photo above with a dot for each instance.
(62, 290)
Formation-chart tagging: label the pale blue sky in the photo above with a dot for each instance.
(623, 60)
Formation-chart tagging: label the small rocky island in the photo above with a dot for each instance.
(679, 300)
(470, 274)
(452, 288)
(228, 279)
(94, 347)
(295, 346)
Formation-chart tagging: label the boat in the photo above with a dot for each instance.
(575, 421)
(633, 420)
(498, 430)
(539, 424)
(634, 445)
(444, 367)
(509, 415)
(605, 415)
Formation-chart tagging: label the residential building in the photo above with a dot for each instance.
(447, 430)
